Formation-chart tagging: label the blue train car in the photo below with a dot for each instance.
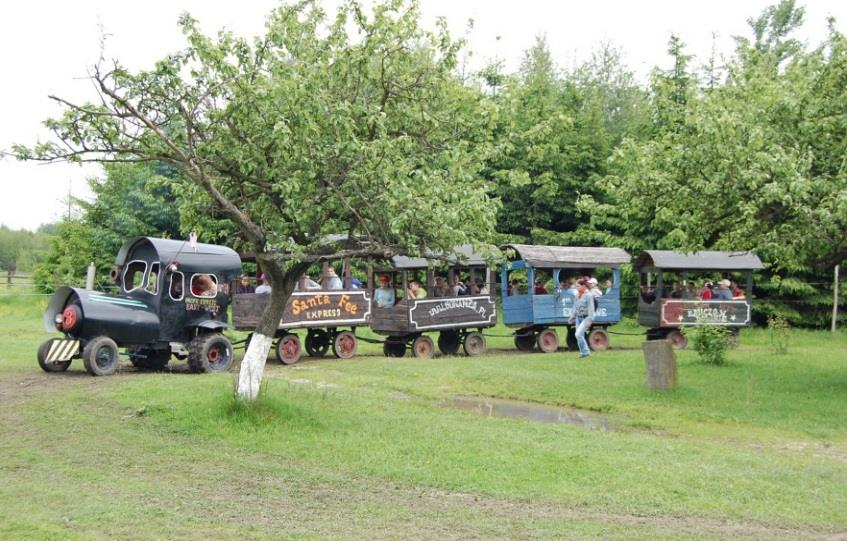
(535, 296)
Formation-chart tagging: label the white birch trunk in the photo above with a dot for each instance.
(253, 366)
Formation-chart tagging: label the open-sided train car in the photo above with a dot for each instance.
(533, 314)
(664, 311)
(330, 318)
(172, 300)
(458, 318)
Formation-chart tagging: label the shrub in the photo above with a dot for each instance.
(780, 332)
(709, 341)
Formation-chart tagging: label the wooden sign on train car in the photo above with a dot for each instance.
(307, 309)
(439, 313)
(684, 312)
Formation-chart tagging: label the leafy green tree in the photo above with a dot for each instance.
(356, 125)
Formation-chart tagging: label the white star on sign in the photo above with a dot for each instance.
(732, 318)
(680, 318)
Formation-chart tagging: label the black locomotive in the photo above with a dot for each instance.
(172, 300)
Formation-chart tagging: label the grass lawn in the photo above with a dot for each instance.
(366, 449)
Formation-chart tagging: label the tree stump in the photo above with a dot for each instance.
(661, 364)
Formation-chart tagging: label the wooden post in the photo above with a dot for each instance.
(660, 360)
(835, 300)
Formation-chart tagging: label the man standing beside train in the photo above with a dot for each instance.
(584, 316)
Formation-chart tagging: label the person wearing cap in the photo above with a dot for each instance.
(592, 287)
(265, 287)
(384, 294)
(244, 285)
(722, 293)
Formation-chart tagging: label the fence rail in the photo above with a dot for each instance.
(12, 279)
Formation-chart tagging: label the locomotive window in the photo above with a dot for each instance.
(153, 279)
(176, 289)
(204, 285)
(134, 275)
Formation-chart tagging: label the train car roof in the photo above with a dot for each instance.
(463, 255)
(707, 260)
(205, 256)
(569, 256)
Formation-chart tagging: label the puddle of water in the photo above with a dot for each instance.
(494, 407)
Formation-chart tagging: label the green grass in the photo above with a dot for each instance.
(362, 449)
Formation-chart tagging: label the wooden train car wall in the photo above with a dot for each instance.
(431, 314)
(304, 309)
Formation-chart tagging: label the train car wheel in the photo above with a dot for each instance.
(525, 342)
(391, 348)
(474, 344)
(598, 340)
(288, 349)
(345, 344)
(548, 341)
(449, 342)
(317, 343)
(56, 366)
(210, 353)
(101, 356)
(422, 347)
(677, 339)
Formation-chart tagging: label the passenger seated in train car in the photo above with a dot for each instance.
(459, 287)
(384, 294)
(706, 291)
(676, 290)
(415, 291)
(514, 288)
(309, 284)
(689, 291)
(592, 287)
(355, 283)
(722, 293)
(482, 288)
(737, 292)
(441, 287)
(331, 281)
(539, 288)
(648, 294)
(244, 285)
(473, 288)
(265, 287)
(607, 286)
(204, 285)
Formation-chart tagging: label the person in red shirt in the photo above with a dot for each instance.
(706, 292)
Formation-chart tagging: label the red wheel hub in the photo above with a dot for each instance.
(214, 355)
(69, 318)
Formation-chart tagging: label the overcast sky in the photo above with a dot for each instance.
(47, 47)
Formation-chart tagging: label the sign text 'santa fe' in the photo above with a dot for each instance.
(324, 306)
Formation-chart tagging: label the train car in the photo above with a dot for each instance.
(535, 312)
(665, 310)
(330, 318)
(458, 314)
(172, 300)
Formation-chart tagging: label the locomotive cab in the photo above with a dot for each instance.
(171, 298)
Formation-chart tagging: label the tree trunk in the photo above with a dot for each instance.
(253, 364)
(661, 364)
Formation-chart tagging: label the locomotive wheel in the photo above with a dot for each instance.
(344, 346)
(288, 349)
(548, 341)
(677, 339)
(474, 344)
(391, 348)
(524, 342)
(598, 340)
(150, 359)
(56, 366)
(210, 353)
(101, 356)
(317, 343)
(449, 342)
(422, 347)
